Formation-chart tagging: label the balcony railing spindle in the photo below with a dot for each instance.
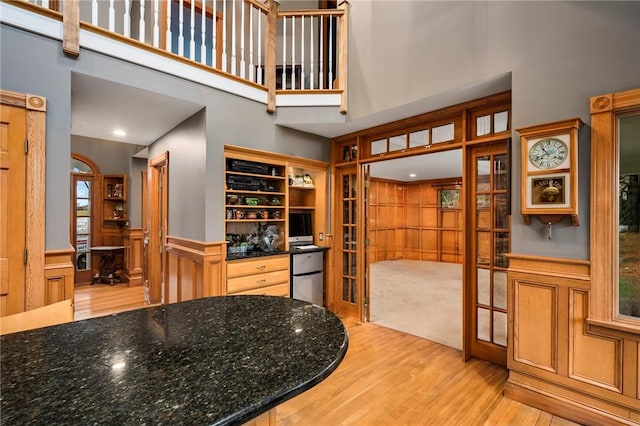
(284, 53)
(214, 37)
(293, 51)
(127, 20)
(181, 28)
(260, 78)
(94, 12)
(311, 49)
(141, 34)
(112, 16)
(252, 12)
(330, 42)
(321, 57)
(192, 31)
(302, 35)
(156, 27)
(224, 35)
(242, 31)
(203, 31)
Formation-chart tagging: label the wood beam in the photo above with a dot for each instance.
(71, 27)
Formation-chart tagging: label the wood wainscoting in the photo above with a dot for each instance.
(134, 256)
(195, 269)
(58, 275)
(557, 361)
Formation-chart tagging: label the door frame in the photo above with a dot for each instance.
(36, 110)
(158, 228)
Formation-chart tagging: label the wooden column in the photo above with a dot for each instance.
(71, 27)
(270, 54)
(343, 58)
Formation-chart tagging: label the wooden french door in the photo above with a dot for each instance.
(12, 209)
(488, 238)
(349, 288)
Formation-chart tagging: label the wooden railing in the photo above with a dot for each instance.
(284, 52)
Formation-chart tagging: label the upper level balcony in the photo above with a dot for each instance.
(250, 48)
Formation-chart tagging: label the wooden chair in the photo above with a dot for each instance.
(55, 313)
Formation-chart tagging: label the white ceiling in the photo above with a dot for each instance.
(98, 107)
(436, 165)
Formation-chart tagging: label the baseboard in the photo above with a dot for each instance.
(562, 407)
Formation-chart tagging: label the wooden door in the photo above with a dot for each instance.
(485, 295)
(158, 224)
(12, 209)
(83, 215)
(348, 288)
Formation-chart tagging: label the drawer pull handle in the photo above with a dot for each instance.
(261, 281)
(261, 267)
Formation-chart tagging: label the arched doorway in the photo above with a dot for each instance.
(84, 175)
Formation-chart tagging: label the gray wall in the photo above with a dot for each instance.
(559, 54)
(186, 145)
(35, 64)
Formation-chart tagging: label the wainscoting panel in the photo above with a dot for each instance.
(58, 275)
(535, 325)
(134, 252)
(593, 359)
(558, 359)
(195, 269)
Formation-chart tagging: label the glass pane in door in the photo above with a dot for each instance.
(492, 243)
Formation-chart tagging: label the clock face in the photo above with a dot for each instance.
(548, 153)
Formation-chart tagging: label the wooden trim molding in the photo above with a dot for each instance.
(195, 269)
(59, 275)
(605, 110)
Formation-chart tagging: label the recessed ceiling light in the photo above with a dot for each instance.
(119, 132)
(412, 175)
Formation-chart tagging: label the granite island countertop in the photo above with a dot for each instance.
(218, 360)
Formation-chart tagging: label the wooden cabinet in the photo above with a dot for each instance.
(114, 200)
(265, 275)
(261, 190)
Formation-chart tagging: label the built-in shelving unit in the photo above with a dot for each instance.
(114, 200)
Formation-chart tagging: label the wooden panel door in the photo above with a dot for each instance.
(12, 209)
(489, 240)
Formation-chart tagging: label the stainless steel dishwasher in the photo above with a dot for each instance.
(307, 275)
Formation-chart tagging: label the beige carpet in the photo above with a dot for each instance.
(419, 298)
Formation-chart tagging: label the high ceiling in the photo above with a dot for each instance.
(98, 107)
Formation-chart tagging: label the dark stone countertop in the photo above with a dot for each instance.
(218, 360)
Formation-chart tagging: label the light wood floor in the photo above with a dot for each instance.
(387, 378)
(392, 378)
(100, 299)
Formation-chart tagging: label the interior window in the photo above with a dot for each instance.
(629, 215)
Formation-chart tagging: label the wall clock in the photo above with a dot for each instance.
(550, 171)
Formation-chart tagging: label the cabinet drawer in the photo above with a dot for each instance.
(235, 285)
(272, 290)
(257, 266)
